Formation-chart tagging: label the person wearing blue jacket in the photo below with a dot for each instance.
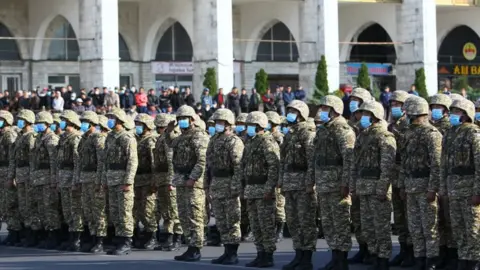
(288, 96)
(300, 94)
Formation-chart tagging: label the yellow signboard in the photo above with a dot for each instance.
(466, 70)
(469, 51)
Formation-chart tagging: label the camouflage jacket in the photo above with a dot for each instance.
(374, 160)
(189, 156)
(333, 153)
(398, 129)
(354, 124)
(121, 158)
(421, 153)
(260, 166)
(295, 156)
(67, 158)
(278, 136)
(146, 161)
(43, 165)
(90, 162)
(8, 136)
(442, 125)
(163, 154)
(460, 167)
(224, 156)
(21, 154)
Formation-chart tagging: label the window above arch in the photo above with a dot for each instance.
(278, 45)
(65, 45)
(8, 47)
(124, 52)
(175, 45)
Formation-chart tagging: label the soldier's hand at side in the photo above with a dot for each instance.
(475, 200)
(279, 186)
(154, 188)
(10, 184)
(190, 183)
(402, 194)
(126, 187)
(345, 192)
(310, 189)
(431, 196)
(268, 196)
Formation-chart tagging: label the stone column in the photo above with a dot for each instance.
(417, 27)
(319, 36)
(99, 63)
(212, 42)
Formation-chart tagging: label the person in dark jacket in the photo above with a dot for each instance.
(244, 101)
(279, 102)
(385, 100)
(176, 99)
(288, 96)
(269, 101)
(346, 101)
(97, 97)
(300, 94)
(164, 100)
(188, 98)
(152, 98)
(127, 100)
(88, 105)
(34, 101)
(234, 101)
(255, 101)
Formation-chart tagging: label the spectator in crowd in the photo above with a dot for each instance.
(127, 100)
(219, 99)
(188, 98)
(88, 105)
(111, 99)
(23, 101)
(170, 109)
(446, 91)
(132, 111)
(234, 101)
(152, 111)
(152, 98)
(279, 102)
(78, 106)
(244, 101)
(269, 101)
(164, 100)
(288, 96)
(141, 100)
(176, 99)
(70, 101)
(413, 90)
(300, 94)
(97, 97)
(463, 92)
(206, 99)
(385, 100)
(34, 101)
(347, 91)
(58, 102)
(255, 100)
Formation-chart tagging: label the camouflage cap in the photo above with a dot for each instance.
(199, 122)
(44, 117)
(242, 118)
(129, 123)
(466, 106)
(374, 107)
(185, 111)
(90, 116)
(103, 122)
(441, 99)
(119, 114)
(211, 119)
(145, 119)
(333, 102)
(7, 116)
(225, 115)
(301, 107)
(274, 117)
(361, 93)
(71, 117)
(162, 120)
(455, 96)
(27, 115)
(399, 96)
(416, 106)
(56, 117)
(258, 118)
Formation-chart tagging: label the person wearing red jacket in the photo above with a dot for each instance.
(141, 101)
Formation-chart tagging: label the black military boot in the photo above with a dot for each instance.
(14, 239)
(267, 260)
(279, 231)
(52, 240)
(333, 262)
(397, 260)
(124, 247)
(185, 255)
(232, 257)
(306, 262)
(75, 244)
(42, 239)
(168, 243)
(375, 262)
(358, 258)
(420, 263)
(257, 260)
(431, 263)
(220, 259)
(87, 242)
(194, 255)
(295, 262)
(110, 235)
(443, 258)
(65, 244)
(8, 239)
(151, 242)
(452, 259)
(462, 265)
(98, 247)
(32, 239)
(342, 260)
(383, 264)
(409, 259)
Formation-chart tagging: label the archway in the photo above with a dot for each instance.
(65, 48)
(285, 51)
(175, 45)
(373, 53)
(123, 50)
(8, 48)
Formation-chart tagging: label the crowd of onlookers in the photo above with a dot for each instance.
(152, 102)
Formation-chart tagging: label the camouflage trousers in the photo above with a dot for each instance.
(121, 210)
(400, 217)
(35, 207)
(93, 206)
(356, 220)
(227, 218)
(76, 210)
(3, 202)
(335, 211)
(145, 206)
(51, 208)
(445, 224)
(167, 209)
(300, 208)
(280, 211)
(191, 210)
(465, 226)
(23, 202)
(66, 201)
(422, 224)
(244, 213)
(376, 228)
(12, 214)
(261, 214)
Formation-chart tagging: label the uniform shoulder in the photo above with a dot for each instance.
(11, 134)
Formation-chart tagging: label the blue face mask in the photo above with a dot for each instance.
(2, 123)
(84, 126)
(291, 117)
(40, 127)
(63, 125)
(353, 106)
(21, 123)
(365, 121)
(219, 128)
(111, 123)
(53, 127)
(324, 116)
(211, 131)
(285, 130)
(239, 129)
(139, 130)
(477, 116)
(437, 114)
(269, 127)
(397, 112)
(184, 123)
(251, 131)
(455, 120)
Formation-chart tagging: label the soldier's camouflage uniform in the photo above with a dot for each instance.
(244, 223)
(260, 166)
(459, 180)
(420, 173)
(333, 152)
(300, 206)
(374, 161)
(224, 154)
